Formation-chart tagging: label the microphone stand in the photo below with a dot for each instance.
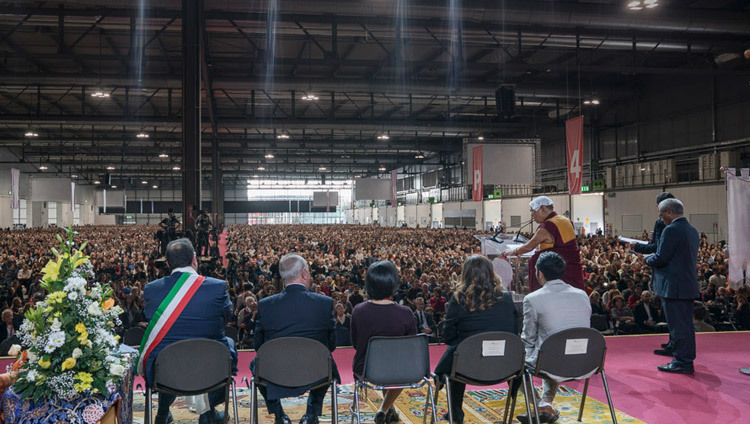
(518, 234)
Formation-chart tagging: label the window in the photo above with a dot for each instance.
(52, 213)
(77, 215)
(19, 215)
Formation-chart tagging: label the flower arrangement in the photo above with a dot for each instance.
(72, 347)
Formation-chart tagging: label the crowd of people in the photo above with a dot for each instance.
(429, 262)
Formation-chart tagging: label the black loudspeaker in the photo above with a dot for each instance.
(323, 179)
(505, 101)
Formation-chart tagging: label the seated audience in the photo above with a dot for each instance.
(380, 316)
(699, 318)
(478, 305)
(646, 316)
(622, 316)
(425, 321)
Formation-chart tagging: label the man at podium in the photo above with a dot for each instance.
(555, 234)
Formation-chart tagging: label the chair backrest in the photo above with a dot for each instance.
(133, 336)
(192, 366)
(572, 353)
(293, 362)
(488, 358)
(392, 361)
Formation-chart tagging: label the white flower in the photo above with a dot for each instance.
(77, 353)
(94, 309)
(75, 283)
(32, 375)
(32, 357)
(117, 370)
(56, 325)
(73, 295)
(56, 339)
(14, 350)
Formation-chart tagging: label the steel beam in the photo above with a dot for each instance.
(192, 27)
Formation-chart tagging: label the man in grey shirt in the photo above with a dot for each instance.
(555, 307)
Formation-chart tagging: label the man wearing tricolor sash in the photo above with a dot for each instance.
(184, 305)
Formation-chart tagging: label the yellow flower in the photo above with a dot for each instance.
(51, 271)
(80, 327)
(68, 364)
(84, 381)
(56, 297)
(83, 338)
(44, 364)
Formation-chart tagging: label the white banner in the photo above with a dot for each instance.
(73, 197)
(738, 198)
(15, 188)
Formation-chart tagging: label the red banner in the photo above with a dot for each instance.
(394, 177)
(574, 143)
(477, 174)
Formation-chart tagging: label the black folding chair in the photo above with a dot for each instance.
(193, 367)
(293, 362)
(573, 354)
(487, 359)
(133, 336)
(396, 363)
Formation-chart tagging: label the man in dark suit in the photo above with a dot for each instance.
(676, 282)
(204, 317)
(425, 321)
(8, 328)
(646, 316)
(295, 312)
(650, 248)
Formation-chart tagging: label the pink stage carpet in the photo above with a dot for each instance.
(717, 393)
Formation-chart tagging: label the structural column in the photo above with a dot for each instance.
(192, 11)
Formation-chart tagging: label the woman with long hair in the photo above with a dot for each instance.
(478, 305)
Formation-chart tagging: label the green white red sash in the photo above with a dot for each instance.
(166, 315)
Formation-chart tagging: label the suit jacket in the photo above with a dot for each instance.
(430, 323)
(651, 247)
(555, 307)
(295, 312)
(204, 317)
(641, 316)
(4, 330)
(674, 263)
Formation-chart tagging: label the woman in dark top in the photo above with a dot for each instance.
(380, 316)
(478, 305)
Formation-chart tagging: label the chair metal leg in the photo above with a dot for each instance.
(226, 400)
(526, 397)
(583, 399)
(510, 401)
(532, 390)
(448, 396)
(253, 402)
(356, 404)
(147, 415)
(609, 398)
(334, 403)
(433, 401)
(234, 402)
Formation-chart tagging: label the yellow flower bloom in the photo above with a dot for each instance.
(68, 364)
(44, 364)
(84, 381)
(83, 338)
(80, 327)
(51, 271)
(56, 297)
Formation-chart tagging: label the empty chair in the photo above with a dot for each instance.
(193, 367)
(293, 362)
(133, 336)
(486, 359)
(573, 354)
(401, 362)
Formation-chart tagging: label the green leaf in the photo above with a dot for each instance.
(59, 238)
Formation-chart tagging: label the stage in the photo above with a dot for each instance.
(716, 393)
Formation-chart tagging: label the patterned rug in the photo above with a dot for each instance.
(480, 406)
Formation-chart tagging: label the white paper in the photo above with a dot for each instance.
(493, 348)
(576, 346)
(630, 240)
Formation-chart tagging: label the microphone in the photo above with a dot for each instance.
(500, 230)
(523, 225)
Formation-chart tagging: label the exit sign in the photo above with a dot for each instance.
(585, 188)
(490, 196)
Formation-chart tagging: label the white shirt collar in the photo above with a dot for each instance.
(188, 269)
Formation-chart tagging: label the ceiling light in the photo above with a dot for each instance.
(144, 182)
(110, 168)
(269, 156)
(97, 182)
(154, 186)
(309, 97)
(595, 102)
(480, 138)
(382, 168)
(587, 102)
(175, 168)
(74, 176)
(283, 136)
(640, 4)
(383, 137)
(322, 168)
(31, 134)
(43, 168)
(163, 155)
(142, 135)
(419, 155)
(114, 186)
(256, 176)
(261, 168)
(99, 94)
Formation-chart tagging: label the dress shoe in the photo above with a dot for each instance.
(676, 368)
(663, 352)
(457, 418)
(664, 345)
(391, 416)
(160, 419)
(211, 417)
(309, 419)
(380, 418)
(282, 419)
(544, 417)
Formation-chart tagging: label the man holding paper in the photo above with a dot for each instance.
(555, 234)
